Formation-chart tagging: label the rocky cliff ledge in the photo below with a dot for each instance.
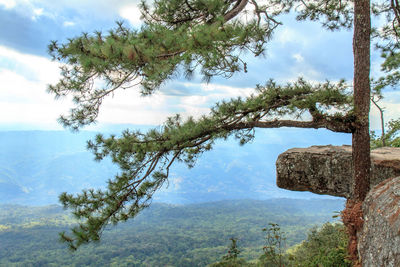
(328, 169)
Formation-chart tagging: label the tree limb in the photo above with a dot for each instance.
(239, 6)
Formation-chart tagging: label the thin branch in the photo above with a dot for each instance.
(240, 5)
(382, 120)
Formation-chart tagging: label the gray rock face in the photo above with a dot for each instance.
(379, 240)
(328, 169)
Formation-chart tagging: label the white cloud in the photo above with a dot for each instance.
(287, 35)
(31, 66)
(197, 105)
(38, 12)
(298, 57)
(23, 97)
(8, 4)
(23, 83)
(131, 13)
(69, 23)
(128, 106)
(28, 8)
(226, 90)
(95, 9)
(26, 101)
(23, 77)
(176, 182)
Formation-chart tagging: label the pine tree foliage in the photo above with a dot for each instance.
(188, 34)
(145, 159)
(391, 137)
(198, 34)
(387, 41)
(209, 36)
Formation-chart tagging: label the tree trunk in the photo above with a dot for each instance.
(361, 139)
(352, 215)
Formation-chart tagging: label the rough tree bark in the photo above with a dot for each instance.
(352, 215)
(361, 139)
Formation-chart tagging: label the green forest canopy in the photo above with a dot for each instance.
(162, 235)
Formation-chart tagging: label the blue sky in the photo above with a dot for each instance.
(297, 49)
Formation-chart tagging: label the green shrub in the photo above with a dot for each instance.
(324, 247)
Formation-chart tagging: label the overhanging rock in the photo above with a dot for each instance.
(328, 169)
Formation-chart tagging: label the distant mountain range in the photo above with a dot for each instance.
(36, 166)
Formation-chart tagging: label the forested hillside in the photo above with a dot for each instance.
(163, 235)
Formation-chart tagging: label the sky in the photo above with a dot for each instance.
(27, 27)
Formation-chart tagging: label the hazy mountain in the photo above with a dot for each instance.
(36, 166)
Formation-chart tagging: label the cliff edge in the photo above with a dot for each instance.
(328, 169)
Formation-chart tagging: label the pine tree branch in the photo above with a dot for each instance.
(327, 123)
(239, 6)
(186, 33)
(145, 159)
